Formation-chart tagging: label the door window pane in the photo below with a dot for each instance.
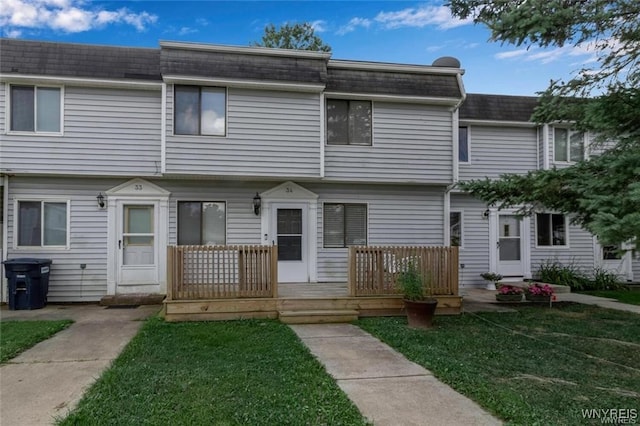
(139, 220)
(510, 249)
(560, 144)
(289, 247)
(29, 216)
(22, 108)
(289, 221)
(48, 113)
(509, 226)
(55, 224)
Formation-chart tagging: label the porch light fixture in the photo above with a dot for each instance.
(100, 199)
(485, 214)
(257, 202)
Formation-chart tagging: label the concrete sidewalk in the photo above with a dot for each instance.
(387, 388)
(48, 380)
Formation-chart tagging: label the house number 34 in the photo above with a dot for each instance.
(288, 189)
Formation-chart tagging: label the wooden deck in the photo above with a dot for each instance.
(300, 303)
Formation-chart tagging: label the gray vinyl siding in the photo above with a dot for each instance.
(399, 216)
(635, 266)
(411, 143)
(541, 152)
(3, 113)
(106, 131)
(87, 236)
(497, 150)
(474, 253)
(579, 253)
(269, 133)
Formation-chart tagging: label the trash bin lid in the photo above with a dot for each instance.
(27, 261)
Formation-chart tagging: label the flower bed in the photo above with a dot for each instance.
(542, 293)
(509, 293)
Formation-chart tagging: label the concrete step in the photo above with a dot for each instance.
(318, 317)
(132, 299)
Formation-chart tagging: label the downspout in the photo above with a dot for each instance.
(322, 134)
(5, 233)
(163, 130)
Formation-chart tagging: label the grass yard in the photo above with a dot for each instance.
(539, 366)
(624, 296)
(215, 373)
(18, 336)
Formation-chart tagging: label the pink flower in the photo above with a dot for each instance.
(540, 290)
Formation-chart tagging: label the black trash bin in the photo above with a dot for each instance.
(28, 282)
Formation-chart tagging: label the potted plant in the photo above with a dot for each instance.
(509, 293)
(419, 304)
(492, 279)
(539, 293)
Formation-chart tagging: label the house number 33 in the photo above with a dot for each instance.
(137, 187)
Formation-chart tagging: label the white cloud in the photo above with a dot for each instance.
(13, 33)
(69, 16)
(587, 50)
(354, 24)
(187, 30)
(319, 26)
(438, 16)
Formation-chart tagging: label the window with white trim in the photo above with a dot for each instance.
(455, 228)
(35, 109)
(568, 145)
(202, 223)
(348, 122)
(42, 223)
(463, 144)
(344, 225)
(200, 111)
(551, 229)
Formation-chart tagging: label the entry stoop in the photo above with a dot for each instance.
(318, 317)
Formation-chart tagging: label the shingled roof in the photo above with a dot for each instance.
(498, 107)
(78, 60)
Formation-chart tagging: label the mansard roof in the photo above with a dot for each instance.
(498, 107)
(78, 60)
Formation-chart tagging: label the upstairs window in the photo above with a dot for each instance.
(202, 223)
(463, 144)
(348, 122)
(35, 109)
(42, 224)
(345, 225)
(568, 145)
(551, 230)
(200, 111)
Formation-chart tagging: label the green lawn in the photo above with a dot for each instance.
(538, 366)
(18, 336)
(624, 296)
(215, 373)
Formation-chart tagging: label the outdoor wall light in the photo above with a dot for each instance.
(100, 199)
(257, 203)
(485, 214)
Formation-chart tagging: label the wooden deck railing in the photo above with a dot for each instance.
(221, 272)
(373, 271)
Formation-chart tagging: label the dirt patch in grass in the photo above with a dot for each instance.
(551, 380)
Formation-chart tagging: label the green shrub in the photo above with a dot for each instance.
(605, 280)
(554, 272)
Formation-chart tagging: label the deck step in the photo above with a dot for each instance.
(318, 317)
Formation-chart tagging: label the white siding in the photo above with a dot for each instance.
(541, 152)
(579, 253)
(268, 134)
(498, 150)
(106, 132)
(474, 253)
(396, 216)
(87, 236)
(635, 266)
(411, 143)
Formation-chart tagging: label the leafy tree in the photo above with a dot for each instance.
(602, 193)
(292, 36)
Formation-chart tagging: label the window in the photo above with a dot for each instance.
(345, 225)
(551, 229)
(568, 145)
(200, 110)
(463, 144)
(455, 226)
(42, 223)
(348, 122)
(35, 109)
(202, 223)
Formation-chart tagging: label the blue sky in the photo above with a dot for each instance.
(386, 31)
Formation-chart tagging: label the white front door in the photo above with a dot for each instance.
(509, 246)
(137, 243)
(289, 227)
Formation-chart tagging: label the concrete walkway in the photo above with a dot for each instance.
(387, 388)
(48, 380)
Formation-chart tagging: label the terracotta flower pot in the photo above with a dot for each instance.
(509, 297)
(420, 313)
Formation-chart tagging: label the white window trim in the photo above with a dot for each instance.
(348, 146)
(552, 247)
(468, 162)
(200, 136)
(41, 200)
(570, 131)
(461, 211)
(343, 202)
(189, 200)
(8, 111)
